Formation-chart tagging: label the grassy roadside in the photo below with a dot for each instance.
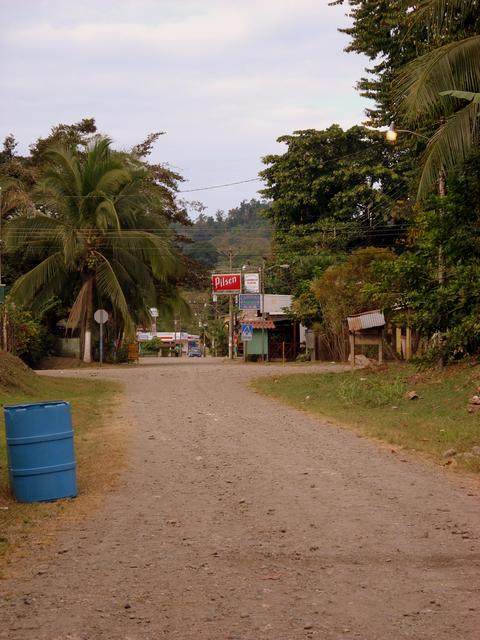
(373, 403)
(99, 448)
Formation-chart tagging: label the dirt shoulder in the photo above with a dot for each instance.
(241, 518)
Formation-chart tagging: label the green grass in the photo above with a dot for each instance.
(98, 448)
(374, 404)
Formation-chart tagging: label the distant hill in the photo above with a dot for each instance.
(244, 230)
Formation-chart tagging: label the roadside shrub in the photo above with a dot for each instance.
(152, 346)
(31, 342)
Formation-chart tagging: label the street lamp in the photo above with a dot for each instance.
(392, 133)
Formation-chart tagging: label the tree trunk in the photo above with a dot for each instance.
(87, 339)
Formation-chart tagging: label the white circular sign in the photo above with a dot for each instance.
(154, 312)
(101, 316)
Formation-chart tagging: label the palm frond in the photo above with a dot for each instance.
(140, 296)
(154, 250)
(49, 273)
(462, 95)
(79, 307)
(62, 171)
(109, 287)
(113, 180)
(136, 269)
(418, 85)
(25, 230)
(106, 216)
(450, 145)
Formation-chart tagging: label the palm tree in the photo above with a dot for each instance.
(100, 233)
(431, 86)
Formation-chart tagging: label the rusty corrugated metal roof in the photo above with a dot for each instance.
(265, 324)
(366, 320)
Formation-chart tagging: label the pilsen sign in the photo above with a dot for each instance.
(226, 283)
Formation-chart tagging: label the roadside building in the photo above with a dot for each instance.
(276, 336)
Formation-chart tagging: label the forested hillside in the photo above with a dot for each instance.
(245, 230)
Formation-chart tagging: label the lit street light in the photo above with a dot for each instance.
(392, 133)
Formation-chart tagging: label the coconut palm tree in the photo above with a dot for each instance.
(431, 86)
(99, 232)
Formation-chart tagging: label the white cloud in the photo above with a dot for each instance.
(224, 79)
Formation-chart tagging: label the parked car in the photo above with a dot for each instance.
(195, 352)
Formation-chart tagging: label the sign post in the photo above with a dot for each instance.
(247, 332)
(247, 335)
(228, 284)
(154, 313)
(101, 316)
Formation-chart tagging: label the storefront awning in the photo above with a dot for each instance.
(259, 323)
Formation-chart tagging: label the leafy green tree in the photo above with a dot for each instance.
(343, 290)
(409, 288)
(331, 174)
(382, 30)
(332, 191)
(66, 135)
(100, 231)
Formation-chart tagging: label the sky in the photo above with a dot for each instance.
(223, 80)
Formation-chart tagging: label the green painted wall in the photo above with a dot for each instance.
(254, 347)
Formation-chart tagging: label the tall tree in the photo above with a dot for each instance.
(383, 31)
(100, 230)
(444, 85)
(335, 175)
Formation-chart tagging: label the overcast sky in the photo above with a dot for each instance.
(222, 79)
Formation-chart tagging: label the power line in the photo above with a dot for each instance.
(220, 186)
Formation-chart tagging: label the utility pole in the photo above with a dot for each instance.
(230, 311)
(442, 192)
(441, 259)
(1, 239)
(262, 298)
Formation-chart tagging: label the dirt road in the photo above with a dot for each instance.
(238, 518)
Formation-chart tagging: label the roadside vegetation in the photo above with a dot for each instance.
(374, 403)
(88, 227)
(99, 446)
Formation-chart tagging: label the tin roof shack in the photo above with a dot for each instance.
(366, 328)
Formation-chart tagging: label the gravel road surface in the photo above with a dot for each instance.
(239, 518)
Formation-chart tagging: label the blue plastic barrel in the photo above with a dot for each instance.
(41, 458)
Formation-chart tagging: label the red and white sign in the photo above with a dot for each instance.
(226, 282)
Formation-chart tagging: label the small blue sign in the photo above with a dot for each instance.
(247, 332)
(249, 302)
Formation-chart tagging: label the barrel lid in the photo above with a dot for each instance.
(36, 405)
